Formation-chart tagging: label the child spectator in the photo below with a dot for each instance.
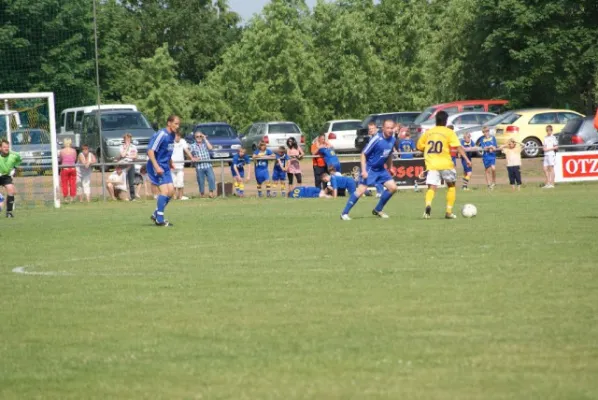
(469, 147)
(85, 160)
(337, 182)
(178, 160)
(406, 147)
(240, 160)
(117, 184)
(261, 157)
(489, 147)
(295, 155)
(512, 151)
(551, 144)
(279, 173)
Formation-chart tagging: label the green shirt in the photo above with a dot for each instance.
(9, 162)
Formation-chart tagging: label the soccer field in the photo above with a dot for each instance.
(279, 299)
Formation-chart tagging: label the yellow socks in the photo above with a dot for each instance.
(451, 196)
(430, 197)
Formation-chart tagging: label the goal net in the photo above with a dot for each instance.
(28, 122)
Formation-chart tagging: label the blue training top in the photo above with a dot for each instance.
(162, 143)
(377, 151)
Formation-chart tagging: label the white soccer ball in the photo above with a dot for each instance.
(469, 211)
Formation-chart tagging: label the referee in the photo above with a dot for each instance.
(9, 160)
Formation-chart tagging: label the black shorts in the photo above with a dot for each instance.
(5, 180)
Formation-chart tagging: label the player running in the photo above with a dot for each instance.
(489, 146)
(9, 161)
(237, 168)
(159, 152)
(376, 155)
(468, 146)
(436, 145)
(336, 182)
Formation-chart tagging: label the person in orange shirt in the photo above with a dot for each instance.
(596, 119)
(318, 161)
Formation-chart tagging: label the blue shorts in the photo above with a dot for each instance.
(376, 178)
(262, 176)
(279, 175)
(156, 179)
(350, 189)
(241, 173)
(466, 169)
(489, 162)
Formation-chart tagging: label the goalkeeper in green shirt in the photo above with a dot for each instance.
(9, 160)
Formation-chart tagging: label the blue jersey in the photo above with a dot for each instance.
(406, 146)
(304, 192)
(162, 143)
(240, 162)
(488, 142)
(470, 154)
(283, 160)
(330, 157)
(377, 152)
(341, 182)
(261, 165)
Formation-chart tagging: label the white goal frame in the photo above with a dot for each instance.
(49, 96)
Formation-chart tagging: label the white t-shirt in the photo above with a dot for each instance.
(550, 141)
(178, 154)
(119, 181)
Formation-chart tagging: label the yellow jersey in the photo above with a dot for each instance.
(436, 144)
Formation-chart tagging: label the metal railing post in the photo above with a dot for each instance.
(222, 178)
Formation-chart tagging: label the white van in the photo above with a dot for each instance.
(70, 116)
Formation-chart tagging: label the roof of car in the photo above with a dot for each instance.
(461, 102)
(529, 110)
(398, 112)
(211, 123)
(333, 121)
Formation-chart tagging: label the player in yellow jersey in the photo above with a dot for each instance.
(436, 145)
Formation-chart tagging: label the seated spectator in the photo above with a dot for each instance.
(117, 184)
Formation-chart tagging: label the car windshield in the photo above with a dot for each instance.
(509, 119)
(283, 128)
(216, 130)
(425, 115)
(21, 138)
(118, 121)
(346, 126)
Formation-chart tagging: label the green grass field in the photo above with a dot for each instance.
(279, 299)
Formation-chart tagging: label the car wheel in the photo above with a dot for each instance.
(532, 148)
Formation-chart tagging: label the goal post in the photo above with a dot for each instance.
(19, 106)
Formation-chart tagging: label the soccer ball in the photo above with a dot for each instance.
(469, 211)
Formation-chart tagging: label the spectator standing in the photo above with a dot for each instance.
(489, 145)
(512, 151)
(203, 167)
(9, 161)
(551, 144)
(295, 155)
(596, 120)
(128, 155)
(237, 169)
(117, 184)
(181, 148)
(68, 173)
(85, 160)
(279, 172)
(406, 147)
(318, 162)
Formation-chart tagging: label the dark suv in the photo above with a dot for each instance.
(221, 135)
(404, 118)
(580, 132)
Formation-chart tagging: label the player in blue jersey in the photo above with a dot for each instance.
(375, 156)
(489, 147)
(261, 157)
(237, 168)
(279, 173)
(159, 165)
(406, 147)
(336, 182)
(306, 192)
(469, 147)
(330, 158)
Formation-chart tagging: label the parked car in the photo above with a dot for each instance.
(34, 147)
(114, 125)
(405, 118)
(529, 127)
(275, 134)
(462, 120)
(221, 135)
(581, 132)
(342, 133)
(493, 106)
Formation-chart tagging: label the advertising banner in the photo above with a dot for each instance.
(576, 166)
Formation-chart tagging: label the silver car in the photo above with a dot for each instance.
(463, 120)
(275, 134)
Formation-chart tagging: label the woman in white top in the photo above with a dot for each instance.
(84, 162)
(128, 154)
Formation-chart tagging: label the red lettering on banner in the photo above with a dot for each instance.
(580, 166)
